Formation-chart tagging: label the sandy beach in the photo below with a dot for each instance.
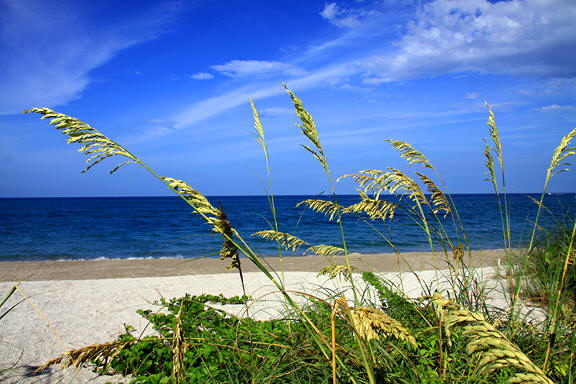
(121, 268)
(88, 302)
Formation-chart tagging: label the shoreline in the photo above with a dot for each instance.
(14, 271)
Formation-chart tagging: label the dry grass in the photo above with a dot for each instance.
(374, 324)
(178, 350)
(334, 270)
(76, 357)
(492, 348)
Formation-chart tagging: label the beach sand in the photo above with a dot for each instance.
(88, 302)
(129, 268)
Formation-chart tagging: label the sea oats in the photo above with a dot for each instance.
(495, 136)
(287, 240)
(528, 378)
(178, 349)
(443, 308)
(95, 144)
(489, 162)
(258, 126)
(409, 153)
(372, 323)
(229, 248)
(393, 181)
(397, 181)
(495, 349)
(458, 252)
(293, 243)
(370, 180)
(215, 217)
(561, 153)
(76, 357)
(308, 129)
(334, 270)
(438, 198)
(326, 207)
(194, 197)
(374, 208)
(324, 250)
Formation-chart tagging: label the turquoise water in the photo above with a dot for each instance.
(140, 227)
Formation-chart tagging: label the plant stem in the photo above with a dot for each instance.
(558, 294)
(346, 253)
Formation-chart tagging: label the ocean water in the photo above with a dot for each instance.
(156, 227)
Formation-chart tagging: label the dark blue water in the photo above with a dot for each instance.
(139, 227)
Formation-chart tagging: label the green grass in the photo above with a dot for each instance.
(546, 265)
(450, 335)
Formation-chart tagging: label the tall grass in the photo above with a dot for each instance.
(452, 334)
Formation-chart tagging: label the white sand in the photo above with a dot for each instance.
(87, 312)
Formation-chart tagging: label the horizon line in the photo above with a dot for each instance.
(264, 195)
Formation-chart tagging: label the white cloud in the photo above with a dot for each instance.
(530, 37)
(344, 18)
(275, 111)
(556, 108)
(46, 60)
(559, 86)
(242, 68)
(339, 17)
(202, 76)
(166, 124)
(214, 106)
(444, 36)
(376, 80)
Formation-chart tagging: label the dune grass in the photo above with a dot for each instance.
(452, 334)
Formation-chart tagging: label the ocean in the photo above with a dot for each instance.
(160, 227)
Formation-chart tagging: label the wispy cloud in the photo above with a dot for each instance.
(441, 37)
(343, 18)
(46, 58)
(200, 111)
(216, 105)
(202, 76)
(275, 111)
(243, 68)
(556, 108)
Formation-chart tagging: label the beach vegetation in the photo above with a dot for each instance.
(6, 370)
(545, 267)
(5, 311)
(370, 331)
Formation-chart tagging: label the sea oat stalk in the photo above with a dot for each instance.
(309, 130)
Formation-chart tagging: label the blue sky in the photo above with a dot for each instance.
(171, 80)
